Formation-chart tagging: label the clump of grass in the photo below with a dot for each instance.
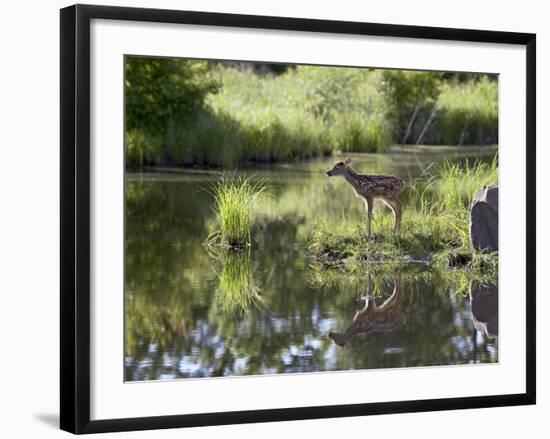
(235, 198)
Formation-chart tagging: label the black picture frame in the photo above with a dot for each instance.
(75, 217)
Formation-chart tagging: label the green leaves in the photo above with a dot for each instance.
(159, 90)
(408, 93)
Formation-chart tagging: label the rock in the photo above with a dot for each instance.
(484, 305)
(484, 219)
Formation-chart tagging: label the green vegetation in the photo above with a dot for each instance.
(467, 113)
(234, 200)
(159, 92)
(442, 109)
(189, 113)
(381, 277)
(457, 183)
(238, 290)
(435, 229)
(411, 95)
(305, 112)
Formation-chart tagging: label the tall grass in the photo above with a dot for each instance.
(311, 111)
(235, 198)
(304, 113)
(457, 184)
(468, 113)
(307, 112)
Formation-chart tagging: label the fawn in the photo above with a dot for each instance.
(369, 187)
(384, 318)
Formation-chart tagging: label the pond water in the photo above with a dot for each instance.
(191, 313)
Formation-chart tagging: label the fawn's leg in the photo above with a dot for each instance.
(394, 208)
(370, 207)
(397, 295)
(399, 216)
(397, 208)
(369, 298)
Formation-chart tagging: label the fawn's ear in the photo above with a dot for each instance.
(347, 161)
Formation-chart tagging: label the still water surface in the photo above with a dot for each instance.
(270, 310)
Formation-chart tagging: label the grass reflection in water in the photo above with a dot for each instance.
(238, 290)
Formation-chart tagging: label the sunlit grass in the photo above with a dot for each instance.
(468, 113)
(235, 198)
(420, 237)
(306, 112)
(457, 183)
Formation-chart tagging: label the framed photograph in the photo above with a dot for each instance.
(273, 218)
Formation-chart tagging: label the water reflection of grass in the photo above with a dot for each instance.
(238, 290)
(351, 278)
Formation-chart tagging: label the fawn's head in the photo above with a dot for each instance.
(339, 168)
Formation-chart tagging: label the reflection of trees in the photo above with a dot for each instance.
(163, 234)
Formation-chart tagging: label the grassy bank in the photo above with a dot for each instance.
(313, 111)
(435, 228)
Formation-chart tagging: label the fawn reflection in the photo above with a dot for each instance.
(373, 318)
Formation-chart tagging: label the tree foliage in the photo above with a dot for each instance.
(159, 90)
(409, 93)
